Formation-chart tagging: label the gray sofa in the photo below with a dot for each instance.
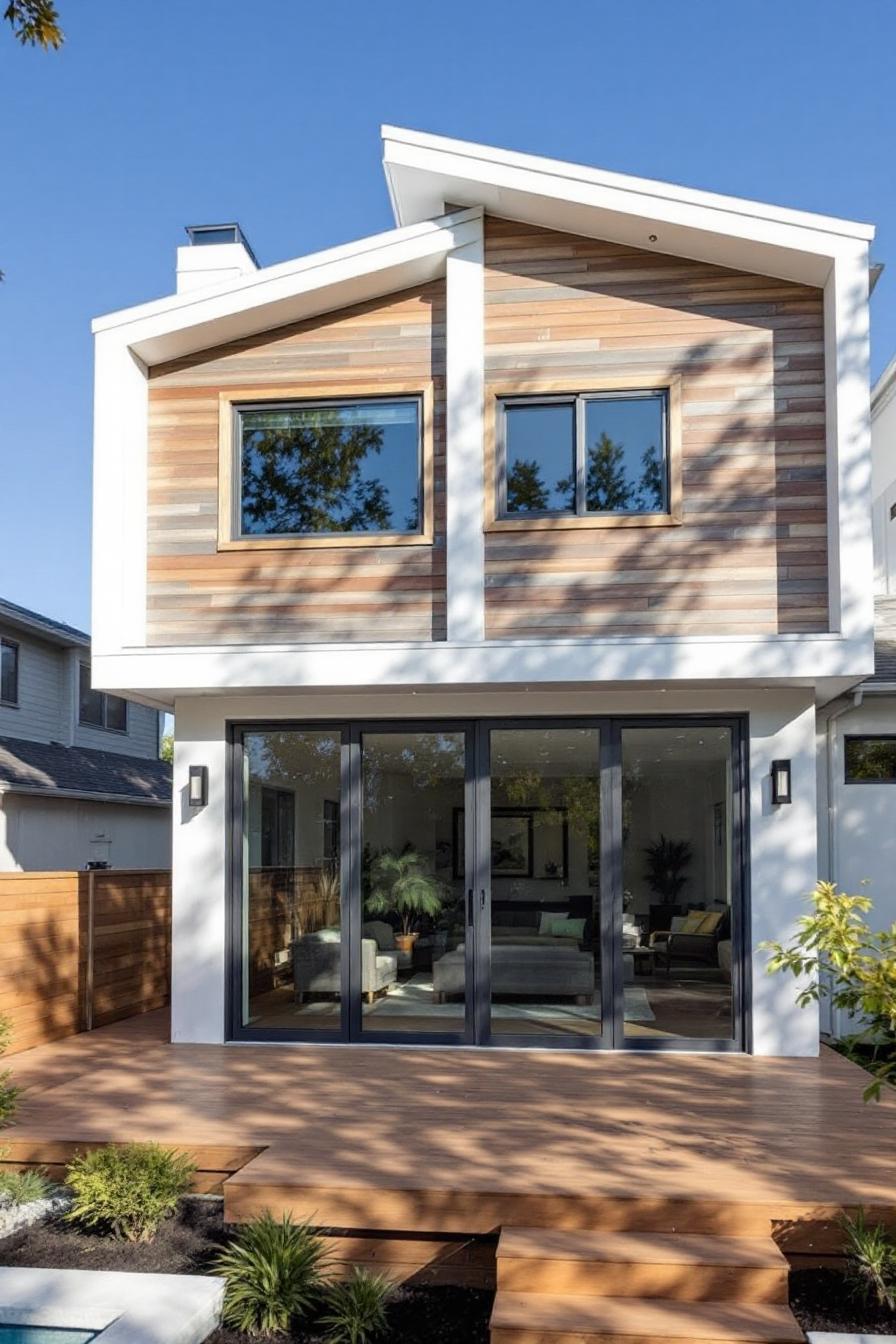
(560, 971)
(317, 963)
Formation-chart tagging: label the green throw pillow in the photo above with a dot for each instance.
(567, 928)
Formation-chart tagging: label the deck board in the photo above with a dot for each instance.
(464, 1140)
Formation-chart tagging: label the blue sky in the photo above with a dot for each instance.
(158, 115)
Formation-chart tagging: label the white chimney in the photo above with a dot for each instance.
(215, 254)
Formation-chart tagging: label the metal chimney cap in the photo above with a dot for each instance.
(209, 235)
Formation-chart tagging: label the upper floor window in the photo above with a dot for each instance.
(584, 454)
(870, 760)
(96, 709)
(9, 672)
(313, 468)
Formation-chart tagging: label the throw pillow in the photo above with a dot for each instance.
(709, 923)
(692, 921)
(567, 928)
(547, 919)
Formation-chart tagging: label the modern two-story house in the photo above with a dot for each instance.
(494, 567)
(81, 782)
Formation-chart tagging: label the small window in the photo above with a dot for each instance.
(871, 760)
(9, 672)
(278, 810)
(96, 709)
(319, 468)
(585, 454)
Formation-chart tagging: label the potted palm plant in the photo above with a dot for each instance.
(666, 876)
(399, 884)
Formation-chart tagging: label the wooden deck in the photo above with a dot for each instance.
(447, 1140)
(603, 1173)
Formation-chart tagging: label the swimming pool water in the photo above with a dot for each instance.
(43, 1334)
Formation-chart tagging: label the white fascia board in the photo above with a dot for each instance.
(425, 171)
(797, 660)
(884, 389)
(276, 295)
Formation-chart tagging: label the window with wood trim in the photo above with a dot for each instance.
(329, 468)
(9, 673)
(584, 455)
(96, 709)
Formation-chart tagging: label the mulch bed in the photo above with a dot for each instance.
(188, 1244)
(822, 1299)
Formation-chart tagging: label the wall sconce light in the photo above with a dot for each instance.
(197, 790)
(781, 782)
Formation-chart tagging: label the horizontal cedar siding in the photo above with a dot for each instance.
(198, 595)
(751, 553)
(45, 990)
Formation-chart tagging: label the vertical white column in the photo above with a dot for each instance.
(783, 867)
(119, 497)
(847, 399)
(464, 466)
(199, 877)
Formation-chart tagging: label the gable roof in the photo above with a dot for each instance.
(423, 171)
(51, 769)
(55, 632)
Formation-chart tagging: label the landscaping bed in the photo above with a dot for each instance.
(188, 1244)
(824, 1300)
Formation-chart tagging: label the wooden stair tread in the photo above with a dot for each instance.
(653, 1248)
(645, 1318)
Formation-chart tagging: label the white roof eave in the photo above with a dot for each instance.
(424, 171)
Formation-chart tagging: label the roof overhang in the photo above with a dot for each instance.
(426, 171)
(80, 795)
(275, 296)
(52, 632)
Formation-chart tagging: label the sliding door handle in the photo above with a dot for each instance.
(482, 899)
(470, 906)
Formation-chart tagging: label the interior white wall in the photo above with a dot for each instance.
(865, 816)
(782, 840)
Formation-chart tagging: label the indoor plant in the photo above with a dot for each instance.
(665, 875)
(399, 884)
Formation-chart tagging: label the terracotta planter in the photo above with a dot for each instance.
(405, 941)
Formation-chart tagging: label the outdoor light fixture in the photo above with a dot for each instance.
(198, 787)
(781, 782)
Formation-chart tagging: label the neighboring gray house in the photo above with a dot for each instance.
(80, 776)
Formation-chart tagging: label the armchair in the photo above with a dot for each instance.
(692, 938)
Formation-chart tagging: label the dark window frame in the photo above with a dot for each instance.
(13, 644)
(579, 401)
(105, 698)
(865, 737)
(238, 408)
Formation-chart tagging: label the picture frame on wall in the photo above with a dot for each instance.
(526, 842)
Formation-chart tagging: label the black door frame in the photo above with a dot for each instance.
(477, 884)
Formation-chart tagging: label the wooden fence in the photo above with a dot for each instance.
(82, 949)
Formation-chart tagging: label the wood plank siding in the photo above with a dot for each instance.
(750, 555)
(198, 594)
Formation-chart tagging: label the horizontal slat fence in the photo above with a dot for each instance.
(81, 950)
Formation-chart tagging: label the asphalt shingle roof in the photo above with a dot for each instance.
(47, 767)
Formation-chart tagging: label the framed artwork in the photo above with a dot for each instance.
(524, 843)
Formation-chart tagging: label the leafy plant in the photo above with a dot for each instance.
(666, 863)
(273, 1274)
(9, 1093)
(398, 883)
(357, 1308)
(870, 1260)
(839, 955)
(128, 1189)
(24, 1187)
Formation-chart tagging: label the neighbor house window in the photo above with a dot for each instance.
(9, 672)
(584, 454)
(278, 811)
(329, 467)
(871, 760)
(96, 709)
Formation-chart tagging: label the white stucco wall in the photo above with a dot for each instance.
(55, 834)
(782, 840)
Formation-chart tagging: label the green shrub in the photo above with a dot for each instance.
(870, 1260)
(24, 1187)
(273, 1274)
(9, 1093)
(357, 1308)
(129, 1189)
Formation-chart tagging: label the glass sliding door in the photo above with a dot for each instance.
(414, 955)
(545, 934)
(678, 881)
(291, 925)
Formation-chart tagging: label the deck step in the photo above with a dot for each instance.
(676, 1266)
(543, 1318)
